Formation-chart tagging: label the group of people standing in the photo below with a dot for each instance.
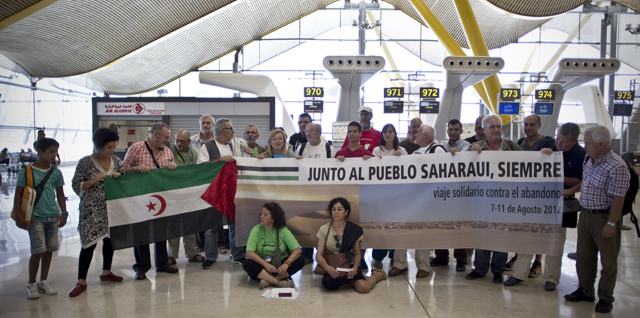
(272, 252)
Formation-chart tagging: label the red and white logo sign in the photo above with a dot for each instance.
(139, 108)
(123, 108)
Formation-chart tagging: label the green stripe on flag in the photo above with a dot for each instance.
(279, 178)
(137, 183)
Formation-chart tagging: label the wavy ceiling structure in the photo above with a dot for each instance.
(128, 47)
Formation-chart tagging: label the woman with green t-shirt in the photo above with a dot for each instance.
(265, 262)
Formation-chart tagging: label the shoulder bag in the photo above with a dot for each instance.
(30, 195)
(334, 260)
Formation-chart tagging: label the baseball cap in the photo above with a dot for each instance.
(365, 109)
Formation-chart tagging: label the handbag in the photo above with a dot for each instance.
(334, 260)
(30, 195)
(570, 212)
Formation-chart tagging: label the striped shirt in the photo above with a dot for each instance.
(138, 154)
(604, 181)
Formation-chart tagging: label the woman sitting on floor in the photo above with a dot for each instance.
(266, 263)
(344, 237)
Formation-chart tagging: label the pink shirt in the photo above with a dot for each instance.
(138, 154)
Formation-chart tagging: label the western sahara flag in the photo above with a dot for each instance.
(162, 204)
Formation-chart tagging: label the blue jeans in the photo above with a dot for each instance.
(237, 252)
(43, 234)
(484, 257)
(211, 244)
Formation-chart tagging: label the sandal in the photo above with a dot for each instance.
(197, 259)
(286, 283)
(263, 284)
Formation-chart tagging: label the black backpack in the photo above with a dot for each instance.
(630, 197)
(327, 147)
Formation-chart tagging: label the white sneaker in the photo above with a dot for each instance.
(32, 291)
(45, 287)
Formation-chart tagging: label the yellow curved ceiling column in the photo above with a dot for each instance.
(447, 41)
(479, 48)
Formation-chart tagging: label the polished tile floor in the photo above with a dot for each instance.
(224, 290)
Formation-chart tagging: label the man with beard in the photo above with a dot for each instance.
(369, 138)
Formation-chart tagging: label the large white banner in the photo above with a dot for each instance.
(505, 201)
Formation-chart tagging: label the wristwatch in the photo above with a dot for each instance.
(611, 224)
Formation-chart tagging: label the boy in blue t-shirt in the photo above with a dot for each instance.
(46, 216)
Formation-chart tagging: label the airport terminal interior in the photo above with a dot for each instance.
(68, 67)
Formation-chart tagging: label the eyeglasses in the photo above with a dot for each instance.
(337, 238)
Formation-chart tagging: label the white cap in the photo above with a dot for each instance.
(365, 109)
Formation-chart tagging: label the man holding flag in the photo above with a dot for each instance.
(142, 157)
(216, 150)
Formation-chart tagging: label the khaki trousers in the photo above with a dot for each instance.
(422, 259)
(552, 264)
(590, 242)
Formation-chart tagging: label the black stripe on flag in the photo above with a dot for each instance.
(162, 229)
(265, 169)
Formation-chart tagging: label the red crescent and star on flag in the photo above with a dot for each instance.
(152, 206)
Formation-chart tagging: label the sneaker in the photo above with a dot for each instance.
(473, 275)
(498, 278)
(461, 266)
(509, 265)
(32, 291)
(238, 261)
(549, 286)
(45, 287)
(512, 281)
(536, 269)
(579, 295)
(604, 306)
(377, 264)
(207, 264)
(439, 262)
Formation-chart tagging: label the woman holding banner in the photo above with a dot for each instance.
(93, 223)
(277, 145)
(272, 251)
(389, 146)
(389, 143)
(342, 236)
